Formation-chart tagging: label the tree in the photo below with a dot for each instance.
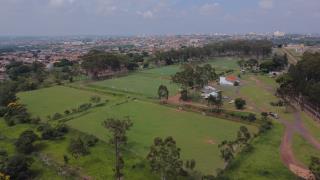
(24, 144)
(315, 167)
(239, 103)
(163, 92)
(216, 102)
(7, 93)
(184, 95)
(118, 128)
(243, 135)
(96, 62)
(226, 151)
(164, 158)
(78, 147)
(17, 167)
(95, 99)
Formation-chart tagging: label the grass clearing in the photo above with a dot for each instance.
(48, 101)
(264, 162)
(142, 83)
(152, 120)
(303, 150)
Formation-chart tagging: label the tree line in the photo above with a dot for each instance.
(257, 48)
(302, 80)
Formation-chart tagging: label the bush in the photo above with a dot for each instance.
(84, 107)
(17, 167)
(78, 147)
(251, 117)
(50, 133)
(90, 140)
(240, 103)
(57, 116)
(24, 144)
(35, 120)
(184, 95)
(3, 111)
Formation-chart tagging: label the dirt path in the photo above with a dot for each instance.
(286, 151)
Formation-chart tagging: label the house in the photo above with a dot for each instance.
(229, 80)
(208, 91)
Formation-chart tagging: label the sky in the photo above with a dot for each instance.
(146, 17)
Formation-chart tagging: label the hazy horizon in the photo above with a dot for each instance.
(151, 17)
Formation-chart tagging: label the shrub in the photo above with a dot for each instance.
(3, 111)
(239, 103)
(84, 107)
(57, 116)
(90, 140)
(67, 112)
(50, 133)
(251, 117)
(24, 144)
(95, 99)
(17, 167)
(78, 147)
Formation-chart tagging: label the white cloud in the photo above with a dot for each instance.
(146, 14)
(59, 3)
(209, 8)
(266, 4)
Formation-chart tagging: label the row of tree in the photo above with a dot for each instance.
(258, 48)
(302, 80)
(194, 76)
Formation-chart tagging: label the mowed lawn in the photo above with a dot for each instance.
(56, 99)
(198, 136)
(143, 83)
(147, 82)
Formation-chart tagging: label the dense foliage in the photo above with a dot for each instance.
(303, 79)
(259, 48)
(164, 158)
(95, 63)
(194, 76)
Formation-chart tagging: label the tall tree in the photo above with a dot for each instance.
(227, 151)
(118, 128)
(243, 136)
(164, 158)
(163, 92)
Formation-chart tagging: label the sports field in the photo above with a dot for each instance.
(146, 82)
(142, 83)
(197, 135)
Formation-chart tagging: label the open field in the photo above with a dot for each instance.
(303, 150)
(264, 162)
(142, 83)
(197, 135)
(97, 164)
(55, 99)
(150, 121)
(147, 82)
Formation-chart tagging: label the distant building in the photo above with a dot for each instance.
(208, 91)
(229, 80)
(279, 34)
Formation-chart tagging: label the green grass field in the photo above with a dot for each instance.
(142, 83)
(152, 120)
(264, 162)
(147, 82)
(197, 135)
(55, 99)
(303, 150)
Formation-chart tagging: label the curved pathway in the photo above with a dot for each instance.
(286, 151)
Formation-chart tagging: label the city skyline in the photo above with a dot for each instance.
(150, 17)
